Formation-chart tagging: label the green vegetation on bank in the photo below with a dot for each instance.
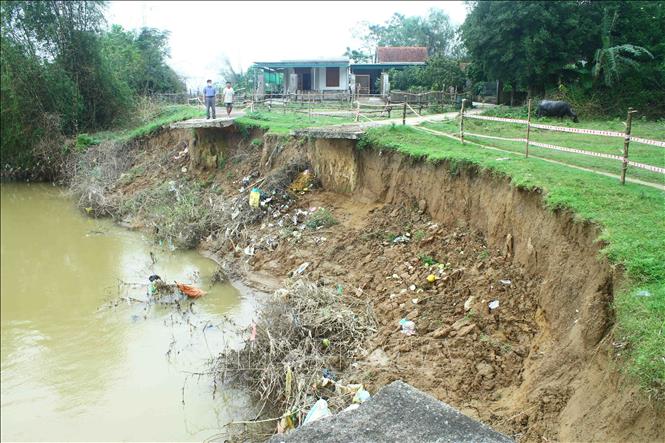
(159, 117)
(631, 218)
(638, 152)
(64, 72)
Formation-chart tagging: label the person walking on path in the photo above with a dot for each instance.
(209, 93)
(227, 94)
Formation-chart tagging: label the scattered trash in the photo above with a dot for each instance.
(493, 304)
(401, 239)
(361, 396)
(254, 197)
(506, 282)
(184, 169)
(408, 327)
(301, 268)
(328, 374)
(189, 290)
(340, 289)
(502, 159)
(432, 278)
(412, 287)
(303, 182)
(252, 336)
(351, 407)
(154, 277)
(318, 411)
(643, 293)
(249, 250)
(245, 181)
(414, 301)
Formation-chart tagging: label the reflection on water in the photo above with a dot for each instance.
(70, 371)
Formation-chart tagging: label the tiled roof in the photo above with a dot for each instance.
(388, 54)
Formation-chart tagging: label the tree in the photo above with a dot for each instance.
(610, 61)
(439, 73)
(433, 31)
(524, 44)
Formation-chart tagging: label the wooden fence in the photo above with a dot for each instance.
(626, 135)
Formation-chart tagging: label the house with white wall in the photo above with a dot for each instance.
(311, 75)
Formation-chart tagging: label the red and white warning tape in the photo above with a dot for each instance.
(646, 141)
(579, 130)
(573, 150)
(495, 137)
(495, 119)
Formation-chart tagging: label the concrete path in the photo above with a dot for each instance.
(221, 121)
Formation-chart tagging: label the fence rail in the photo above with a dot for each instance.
(626, 136)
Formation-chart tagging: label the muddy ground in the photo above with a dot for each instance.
(489, 363)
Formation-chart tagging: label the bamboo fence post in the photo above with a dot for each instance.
(626, 142)
(404, 112)
(390, 108)
(461, 123)
(357, 110)
(528, 130)
(309, 103)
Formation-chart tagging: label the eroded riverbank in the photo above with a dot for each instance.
(538, 367)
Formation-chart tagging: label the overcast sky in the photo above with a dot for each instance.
(203, 33)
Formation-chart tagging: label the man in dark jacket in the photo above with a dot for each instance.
(209, 93)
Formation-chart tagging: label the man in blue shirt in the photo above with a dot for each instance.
(209, 93)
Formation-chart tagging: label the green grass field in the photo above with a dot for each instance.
(278, 122)
(652, 155)
(632, 218)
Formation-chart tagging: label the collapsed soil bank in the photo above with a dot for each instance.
(569, 383)
(540, 370)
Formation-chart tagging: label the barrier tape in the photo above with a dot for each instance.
(646, 141)
(579, 130)
(573, 150)
(496, 119)
(495, 137)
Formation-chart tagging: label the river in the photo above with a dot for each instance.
(72, 369)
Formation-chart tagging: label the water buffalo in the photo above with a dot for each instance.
(550, 108)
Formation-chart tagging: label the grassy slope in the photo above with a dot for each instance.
(162, 116)
(648, 154)
(631, 216)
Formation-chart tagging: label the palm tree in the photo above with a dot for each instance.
(610, 61)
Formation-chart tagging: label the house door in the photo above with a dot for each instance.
(362, 83)
(307, 81)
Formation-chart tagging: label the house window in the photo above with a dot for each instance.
(332, 77)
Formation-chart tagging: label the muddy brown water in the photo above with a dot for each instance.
(73, 371)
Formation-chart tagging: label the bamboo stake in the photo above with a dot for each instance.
(626, 142)
(461, 124)
(404, 112)
(528, 130)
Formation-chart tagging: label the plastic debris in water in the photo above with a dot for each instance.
(493, 304)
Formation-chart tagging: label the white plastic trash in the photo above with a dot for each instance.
(361, 396)
(494, 304)
(318, 411)
(408, 327)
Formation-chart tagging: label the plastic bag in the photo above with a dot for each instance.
(318, 411)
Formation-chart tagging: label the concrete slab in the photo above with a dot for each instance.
(397, 413)
(222, 121)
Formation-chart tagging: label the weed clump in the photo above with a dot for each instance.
(303, 330)
(321, 218)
